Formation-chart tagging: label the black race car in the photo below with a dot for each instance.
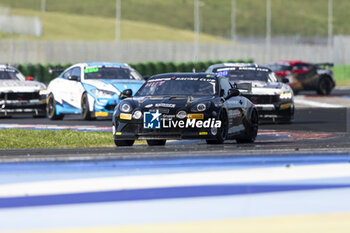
(184, 106)
(305, 76)
(273, 99)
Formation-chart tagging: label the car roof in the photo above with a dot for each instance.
(249, 65)
(109, 64)
(232, 64)
(5, 66)
(291, 62)
(199, 75)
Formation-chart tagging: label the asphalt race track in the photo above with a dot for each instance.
(321, 124)
(294, 178)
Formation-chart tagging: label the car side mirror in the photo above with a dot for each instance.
(232, 93)
(125, 94)
(29, 78)
(146, 77)
(285, 80)
(73, 78)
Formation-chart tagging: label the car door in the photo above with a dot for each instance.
(70, 90)
(233, 106)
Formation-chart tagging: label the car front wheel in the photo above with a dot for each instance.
(251, 129)
(124, 142)
(324, 87)
(156, 142)
(221, 132)
(85, 110)
(51, 109)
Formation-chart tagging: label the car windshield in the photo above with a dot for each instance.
(111, 73)
(246, 74)
(279, 67)
(10, 74)
(179, 86)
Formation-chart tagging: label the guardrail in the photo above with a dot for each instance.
(41, 71)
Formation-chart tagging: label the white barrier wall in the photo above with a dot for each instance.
(20, 25)
(21, 51)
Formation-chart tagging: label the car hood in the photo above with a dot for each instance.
(174, 104)
(20, 86)
(265, 88)
(115, 85)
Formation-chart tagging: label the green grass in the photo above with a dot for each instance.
(23, 138)
(289, 17)
(342, 75)
(62, 26)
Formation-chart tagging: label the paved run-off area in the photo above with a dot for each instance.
(270, 193)
(295, 178)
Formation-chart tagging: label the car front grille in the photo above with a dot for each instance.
(110, 107)
(19, 96)
(263, 99)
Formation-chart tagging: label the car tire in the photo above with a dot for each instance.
(85, 111)
(324, 86)
(124, 142)
(251, 129)
(40, 116)
(285, 120)
(222, 131)
(51, 109)
(156, 142)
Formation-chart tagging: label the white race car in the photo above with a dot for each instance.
(90, 89)
(20, 96)
(273, 99)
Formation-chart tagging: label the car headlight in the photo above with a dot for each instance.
(137, 115)
(103, 93)
(181, 114)
(200, 107)
(125, 107)
(43, 92)
(286, 95)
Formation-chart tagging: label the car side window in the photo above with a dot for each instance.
(300, 67)
(67, 74)
(225, 85)
(76, 72)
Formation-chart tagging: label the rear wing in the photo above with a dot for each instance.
(55, 70)
(325, 65)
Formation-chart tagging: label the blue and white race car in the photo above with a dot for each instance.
(90, 89)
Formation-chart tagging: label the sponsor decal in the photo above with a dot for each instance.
(125, 116)
(91, 70)
(101, 114)
(285, 106)
(155, 120)
(151, 120)
(164, 105)
(199, 116)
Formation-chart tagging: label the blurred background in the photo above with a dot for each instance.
(65, 31)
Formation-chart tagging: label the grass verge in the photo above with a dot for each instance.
(342, 75)
(289, 17)
(63, 26)
(23, 138)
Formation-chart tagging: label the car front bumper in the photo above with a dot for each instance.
(275, 111)
(20, 107)
(132, 131)
(104, 107)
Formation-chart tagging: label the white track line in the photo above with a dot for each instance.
(315, 103)
(175, 180)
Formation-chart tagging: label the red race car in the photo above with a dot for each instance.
(305, 76)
